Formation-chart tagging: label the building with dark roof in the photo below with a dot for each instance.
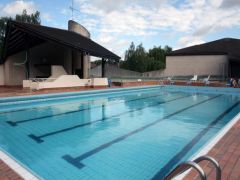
(217, 58)
(30, 51)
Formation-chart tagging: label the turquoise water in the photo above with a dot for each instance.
(134, 134)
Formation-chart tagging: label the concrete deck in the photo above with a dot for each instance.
(9, 91)
(227, 153)
(6, 173)
(19, 91)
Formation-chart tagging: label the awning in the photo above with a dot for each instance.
(19, 35)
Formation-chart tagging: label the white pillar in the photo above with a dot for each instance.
(86, 61)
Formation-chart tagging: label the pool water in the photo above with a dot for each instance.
(134, 134)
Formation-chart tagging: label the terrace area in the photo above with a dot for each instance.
(8, 91)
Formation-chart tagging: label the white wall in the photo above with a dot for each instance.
(47, 53)
(62, 81)
(188, 65)
(1, 75)
(14, 74)
(57, 71)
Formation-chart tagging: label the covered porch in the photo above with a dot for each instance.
(234, 67)
(30, 52)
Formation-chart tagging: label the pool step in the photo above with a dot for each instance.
(183, 167)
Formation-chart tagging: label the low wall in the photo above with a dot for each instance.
(113, 71)
(166, 82)
(136, 83)
(67, 81)
(184, 83)
(13, 73)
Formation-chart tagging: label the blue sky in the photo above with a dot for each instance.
(116, 23)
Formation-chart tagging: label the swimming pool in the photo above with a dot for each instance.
(134, 133)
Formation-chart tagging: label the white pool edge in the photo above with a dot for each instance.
(212, 143)
(17, 167)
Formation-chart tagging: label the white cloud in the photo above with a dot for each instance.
(104, 39)
(16, 7)
(230, 3)
(91, 24)
(65, 11)
(47, 17)
(113, 43)
(142, 18)
(189, 41)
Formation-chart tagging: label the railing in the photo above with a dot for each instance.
(185, 166)
(194, 164)
(174, 78)
(214, 162)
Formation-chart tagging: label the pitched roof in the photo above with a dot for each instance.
(15, 40)
(228, 46)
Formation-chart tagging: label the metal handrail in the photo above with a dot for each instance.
(214, 162)
(185, 166)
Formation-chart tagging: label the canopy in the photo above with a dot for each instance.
(19, 35)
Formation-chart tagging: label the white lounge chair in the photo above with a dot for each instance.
(170, 80)
(206, 80)
(194, 79)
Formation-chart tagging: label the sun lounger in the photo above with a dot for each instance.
(206, 80)
(171, 82)
(194, 79)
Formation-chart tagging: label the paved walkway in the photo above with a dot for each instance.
(227, 153)
(6, 173)
(19, 91)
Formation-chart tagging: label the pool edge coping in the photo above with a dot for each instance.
(46, 95)
(23, 171)
(209, 145)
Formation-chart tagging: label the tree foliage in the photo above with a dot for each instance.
(29, 18)
(108, 61)
(138, 59)
(24, 17)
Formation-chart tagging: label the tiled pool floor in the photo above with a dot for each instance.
(226, 152)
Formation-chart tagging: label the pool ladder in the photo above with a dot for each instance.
(194, 164)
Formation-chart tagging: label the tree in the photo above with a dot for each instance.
(137, 59)
(167, 49)
(24, 17)
(29, 18)
(158, 58)
(108, 61)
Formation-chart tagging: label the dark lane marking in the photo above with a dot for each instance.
(46, 107)
(177, 158)
(39, 138)
(77, 161)
(15, 123)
